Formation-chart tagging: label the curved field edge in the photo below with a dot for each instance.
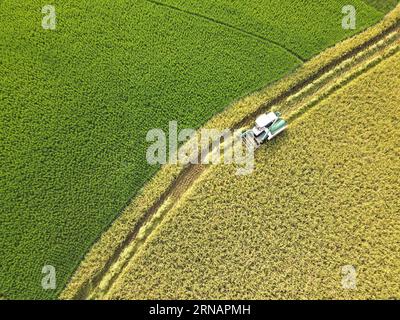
(105, 252)
(261, 18)
(77, 104)
(330, 201)
(227, 25)
(320, 90)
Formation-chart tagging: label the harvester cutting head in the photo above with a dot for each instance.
(267, 127)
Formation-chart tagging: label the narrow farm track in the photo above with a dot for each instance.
(232, 27)
(293, 102)
(154, 218)
(342, 75)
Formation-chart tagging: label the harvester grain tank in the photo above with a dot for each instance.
(267, 127)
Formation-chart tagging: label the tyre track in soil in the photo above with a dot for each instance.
(190, 173)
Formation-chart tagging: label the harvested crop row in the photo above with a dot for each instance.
(347, 73)
(78, 102)
(331, 200)
(76, 105)
(377, 49)
(106, 251)
(362, 62)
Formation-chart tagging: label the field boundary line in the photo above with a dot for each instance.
(336, 84)
(122, 287)
(180, 190)
(227, 25)
(342, 81)
(342, 68)
(105, 252)
(302, 84)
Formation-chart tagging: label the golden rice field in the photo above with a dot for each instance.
(323, 196)
(79, 95)
(128, 235)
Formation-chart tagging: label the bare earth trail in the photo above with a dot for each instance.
(293, 102)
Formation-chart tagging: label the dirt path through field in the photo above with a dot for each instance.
(294, 103)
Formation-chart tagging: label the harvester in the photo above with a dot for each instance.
(267, 127)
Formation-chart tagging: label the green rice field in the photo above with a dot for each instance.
(77, 102)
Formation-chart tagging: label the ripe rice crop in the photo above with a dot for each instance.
(77, 103)
(95, 264)
(76, 106)
(322, 197)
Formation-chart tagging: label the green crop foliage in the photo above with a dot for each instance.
(97, 259)
(323, 196)
(77, 102)
(302, 26)
(383, 5)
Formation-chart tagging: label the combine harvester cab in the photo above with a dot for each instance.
(267, 127)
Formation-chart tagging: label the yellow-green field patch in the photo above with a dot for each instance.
(324, 196)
